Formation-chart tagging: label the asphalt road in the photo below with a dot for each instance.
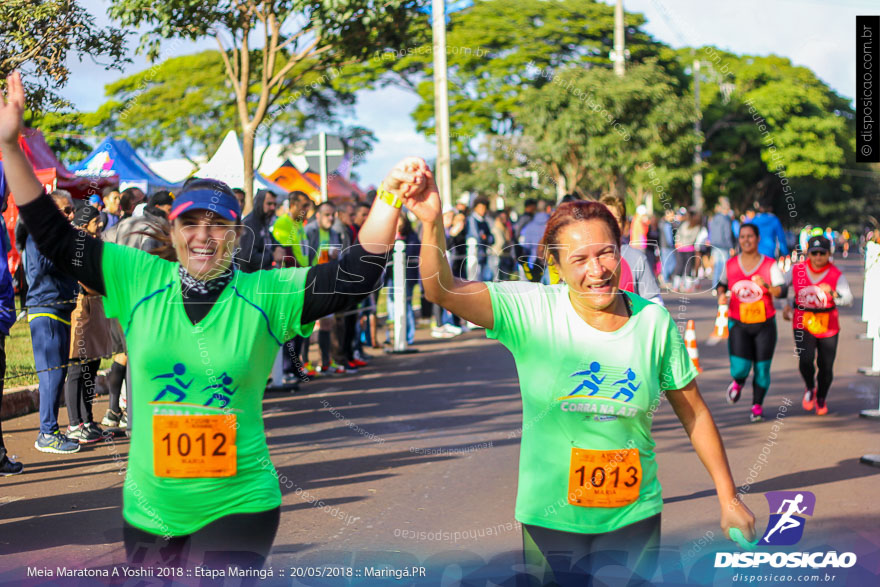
(413, 462)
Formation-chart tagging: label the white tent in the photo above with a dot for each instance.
(277, 155)
(227, 165)
(176, 170)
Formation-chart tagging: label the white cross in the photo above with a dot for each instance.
(322, 154)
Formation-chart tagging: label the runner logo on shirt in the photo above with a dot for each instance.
(812, 296)
(176, 389)
(747, 291)
(590, 381)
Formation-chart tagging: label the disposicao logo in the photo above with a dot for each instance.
(786, 528)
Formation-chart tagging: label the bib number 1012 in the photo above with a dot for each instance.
(194, 446)
(184, 445)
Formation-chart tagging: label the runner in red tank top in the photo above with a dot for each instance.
(817, 289)
(753, 280)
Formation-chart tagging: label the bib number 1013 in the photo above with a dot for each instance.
(598, 476)
(604, 478)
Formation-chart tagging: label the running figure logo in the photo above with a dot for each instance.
(628, 387)
(179, 394)
(786, 526)
(590, 381)
(220, 391)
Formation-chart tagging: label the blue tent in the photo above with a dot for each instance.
(117, 156)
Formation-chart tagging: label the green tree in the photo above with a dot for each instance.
(600, 132)
(274, 51)
(776, 134)
(496, 50)
(39, 38)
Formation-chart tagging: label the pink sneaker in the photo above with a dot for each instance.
(757, 413)
(733, 391)
(809, 400)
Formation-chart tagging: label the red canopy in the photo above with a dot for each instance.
(41, 157)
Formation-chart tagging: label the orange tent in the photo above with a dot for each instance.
(338, 188)
(289, 177)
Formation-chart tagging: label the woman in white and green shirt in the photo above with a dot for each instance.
(592, 362)
(201, 340)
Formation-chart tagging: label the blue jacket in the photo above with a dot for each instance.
(771, 233)
(532, 233)
(7, 293)
(47, 286)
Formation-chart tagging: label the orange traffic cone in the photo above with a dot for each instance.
(720, 333)
(690, 342)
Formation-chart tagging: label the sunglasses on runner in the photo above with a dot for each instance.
(67, 209)
(812, 253)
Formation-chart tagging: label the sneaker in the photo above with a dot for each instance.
(310, 369)
(334, 369)
(351, 367)
(809, 402)
(757, 414)
(821, 409)
(93, 432)
(111, 419)
(8, 466)
(733, 392)
(441, 333)
(56, 443)
(358, 363)
(452, 329)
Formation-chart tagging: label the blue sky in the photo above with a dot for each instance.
(818, 34)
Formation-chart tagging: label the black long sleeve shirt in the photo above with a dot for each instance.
(332, 287)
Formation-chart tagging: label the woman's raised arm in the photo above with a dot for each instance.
(467, 299)
(72, 251)
(22, 180)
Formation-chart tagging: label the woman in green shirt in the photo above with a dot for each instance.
(588, 475)
(201, 338)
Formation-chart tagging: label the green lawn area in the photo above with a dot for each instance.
(19, 356)
(20, 368)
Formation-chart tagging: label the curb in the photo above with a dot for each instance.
(21, 401)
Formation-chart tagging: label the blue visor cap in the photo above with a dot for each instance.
(223, 204)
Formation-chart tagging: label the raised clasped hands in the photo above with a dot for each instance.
(414, 184)
(11, 110)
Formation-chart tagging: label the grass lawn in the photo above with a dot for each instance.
(20, 368)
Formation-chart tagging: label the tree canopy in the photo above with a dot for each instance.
(274, 51)
(38, 39)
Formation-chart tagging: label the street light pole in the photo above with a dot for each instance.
(619, 59)
(441, 103)
(698, 150)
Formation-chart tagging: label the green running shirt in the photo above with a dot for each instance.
(216, 367)
(585, 388)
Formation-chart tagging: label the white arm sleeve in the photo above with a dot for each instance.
(776, 276)
(844, 292)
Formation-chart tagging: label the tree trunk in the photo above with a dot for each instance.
(618, 187)
(560, 186)
(247, 146)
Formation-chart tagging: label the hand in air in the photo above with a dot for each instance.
(406, 178)
(12, 109)
(425, 202)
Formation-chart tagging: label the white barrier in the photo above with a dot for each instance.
(472, 266)
(398, 284)
(871, 305)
